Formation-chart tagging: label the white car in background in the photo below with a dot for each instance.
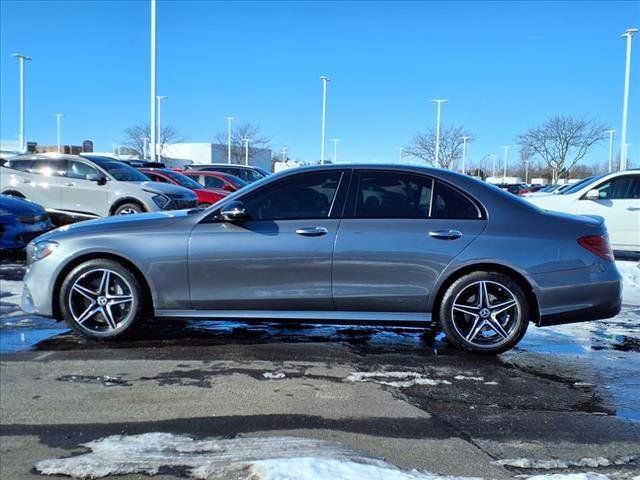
(613, 196)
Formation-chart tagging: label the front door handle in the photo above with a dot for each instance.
(312, 231)
(69, 184)
(445, 234)
(633, 209)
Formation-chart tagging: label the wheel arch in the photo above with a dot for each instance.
(123, 200)
(518, 277)
(132, 267)
(14, 193)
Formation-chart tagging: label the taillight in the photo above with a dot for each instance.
(597, 244)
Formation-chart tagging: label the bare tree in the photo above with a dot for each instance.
(238, 134)
(423, 146)
(561, 142)
(137, 137)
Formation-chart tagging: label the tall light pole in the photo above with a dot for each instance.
(438, 103)
(526, 170)
(229, 139)
(22, 59)
(400, 149)
(625, 103)
(464, 152)
(153, 85)
(506, 154)
(159, 98)
(284, 154)
(58, 117)
(335, 149)
(246, 150)
(493, 168)
(611, 132)
(145, 147)
(324, 79)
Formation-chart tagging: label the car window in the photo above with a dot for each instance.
(156, 178)
(212, 182)
(449, 203)
(393, 195)
(21, 165)
(48, 168)
(304, 196)
(620, 188)
(182, 180)
(119, 170)
(79, 170)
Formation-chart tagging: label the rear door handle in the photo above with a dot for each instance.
(27, 181)
(312, 231)
(69, 184)
(633, 209)
(445, 234)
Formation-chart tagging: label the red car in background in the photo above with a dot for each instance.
(210, 179)
(206, 196)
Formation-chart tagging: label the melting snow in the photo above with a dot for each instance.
(630, 272)
(274, 375)
(395, 379)
(268, 458)
(593, 462)
(570, 476)
(462, 377)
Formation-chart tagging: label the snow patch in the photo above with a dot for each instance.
(395, 379)
(570, 476)
(274, 375)
(463, 377)
(491, 383)
(268, 458)
(592, 462)
(630, 272)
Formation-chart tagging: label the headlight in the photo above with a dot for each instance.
(42, 249)
(160, 200)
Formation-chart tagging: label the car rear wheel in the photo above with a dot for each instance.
(128, 209)
(484, 312)
(101, 299)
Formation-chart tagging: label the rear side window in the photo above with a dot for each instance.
(304, 196)
(212, 182)
(620, 188)
(449, 203)
(20, 165)
(393, 195)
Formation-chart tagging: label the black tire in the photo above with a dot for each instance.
(204, 205)
(128, 208)
(107, 314)
(485, 328)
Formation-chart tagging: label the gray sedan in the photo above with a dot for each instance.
(341, 243)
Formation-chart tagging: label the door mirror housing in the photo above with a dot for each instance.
(96, 177)
(593, 195)
(234, 212)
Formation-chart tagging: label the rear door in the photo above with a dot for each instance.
(619, 205)
(398, 233)
(43, 182)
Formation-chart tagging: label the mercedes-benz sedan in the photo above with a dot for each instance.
(341, 243)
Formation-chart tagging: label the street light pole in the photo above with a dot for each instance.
(526, 171)
(284, 154)
(58, 117)
(246, 150)
(153, 82)
(229, 139)
(611, 132)
(145, 147)
(159, 133)
(506, 154)
(324, 79)
(438, 103)
(625, 104)
(493, 168)
(22, 59)
(464, 152)
(400, 149)
(335, 149)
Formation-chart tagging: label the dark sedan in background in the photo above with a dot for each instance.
(20, 222)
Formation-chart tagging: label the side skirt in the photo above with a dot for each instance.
(316, 316)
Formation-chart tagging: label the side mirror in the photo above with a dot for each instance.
(593, 195)
(234, 212)
(96, 177)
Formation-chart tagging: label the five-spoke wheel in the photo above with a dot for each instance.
(100, 299)
(485, 312)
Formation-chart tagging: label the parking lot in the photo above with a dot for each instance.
(564, 401)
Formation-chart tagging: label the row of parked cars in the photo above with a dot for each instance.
(71, 187)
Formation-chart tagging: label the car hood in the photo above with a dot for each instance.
(20, 206)
(119, 223)
(167, 189)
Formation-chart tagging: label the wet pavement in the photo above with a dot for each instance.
(565, 392)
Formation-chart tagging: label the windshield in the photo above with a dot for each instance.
(118, 170)
(237, 181)
(182, 180)
(578, 186)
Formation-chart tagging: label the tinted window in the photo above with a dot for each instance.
(303, 196)
(48, 168)
(449, 203)
(393, 195)
(620, 188)
(119, 170)
(182, 180)
(21, 165)
(212, 182)
(80, 170)
(156, 178)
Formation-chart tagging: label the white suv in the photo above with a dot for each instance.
(613, 196)
(89, 186)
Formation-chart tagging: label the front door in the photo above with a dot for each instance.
(399, 233)
(81, 195)
(279, 259)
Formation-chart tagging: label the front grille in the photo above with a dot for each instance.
(177, 204)
(31, 219)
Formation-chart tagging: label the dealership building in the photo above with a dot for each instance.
(203, 153)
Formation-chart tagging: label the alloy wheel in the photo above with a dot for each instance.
(101, 301)
(486, 314)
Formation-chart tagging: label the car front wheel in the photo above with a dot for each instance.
(484, 312)
(101, 299)
(128, 209)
